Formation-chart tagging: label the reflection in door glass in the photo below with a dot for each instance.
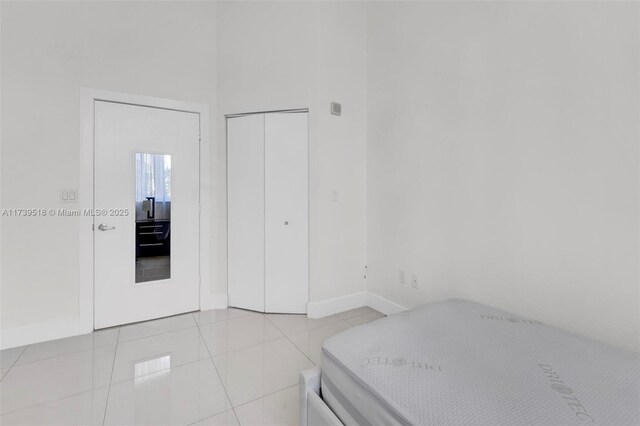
(153, 217)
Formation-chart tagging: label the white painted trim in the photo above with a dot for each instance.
(214, 301)
(205, 204)
(207, 301)
(352, 301)
(1, 205)
(85, 201)
(88, 97)
(33, 333)
(336, 305)
(383, 305)
(19, 336)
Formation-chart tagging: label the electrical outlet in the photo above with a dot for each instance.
(401, 278)
(414, 281)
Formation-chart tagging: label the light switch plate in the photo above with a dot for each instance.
(68, 195)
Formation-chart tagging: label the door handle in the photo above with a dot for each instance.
(103, 227)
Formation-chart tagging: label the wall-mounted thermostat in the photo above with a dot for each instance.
(336, 108)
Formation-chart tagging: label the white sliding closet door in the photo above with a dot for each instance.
(245, 186)
(286, 213)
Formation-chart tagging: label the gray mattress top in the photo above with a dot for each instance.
(463, 363)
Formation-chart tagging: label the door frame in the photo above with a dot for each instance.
(88, 98)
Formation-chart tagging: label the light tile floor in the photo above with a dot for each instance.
(218, 367)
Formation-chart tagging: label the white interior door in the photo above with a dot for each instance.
(245, 189)
(146, 263)
(286, 212)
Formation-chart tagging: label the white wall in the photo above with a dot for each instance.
(283, 55)
(50, 50)
(501, 146)
(503, 159)
(272, 56)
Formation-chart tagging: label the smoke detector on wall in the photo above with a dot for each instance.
(336, 108)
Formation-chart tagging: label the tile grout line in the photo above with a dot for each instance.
(257, 344)
(360, 316)
(245, 314)
(294, 345)
(175, 367)
(338, 319)
(63, 354)
(266, 395)
(243, 347)
(14, 363)
(217, 374)
(157, 334)
(66, 396)
(116, 344)
(154, 320)
(215, 415)
(111, 382)
(19, 356)
(234, 412)
(49, 402)
(113, 366)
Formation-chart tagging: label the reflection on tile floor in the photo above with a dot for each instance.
(217, 367)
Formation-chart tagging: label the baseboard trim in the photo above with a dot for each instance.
(353, 301)
(41, 332)
(59, 329)
(51, 330)
(383, 305)
(337, 304)
(214, 301)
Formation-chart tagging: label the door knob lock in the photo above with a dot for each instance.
(103, 227)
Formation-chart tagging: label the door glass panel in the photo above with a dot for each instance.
(153, 217)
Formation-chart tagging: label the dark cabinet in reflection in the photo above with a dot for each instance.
(153, 238)
(153, 250)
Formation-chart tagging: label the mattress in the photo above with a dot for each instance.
(463, 363)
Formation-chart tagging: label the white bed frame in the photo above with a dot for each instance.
(313, 410)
